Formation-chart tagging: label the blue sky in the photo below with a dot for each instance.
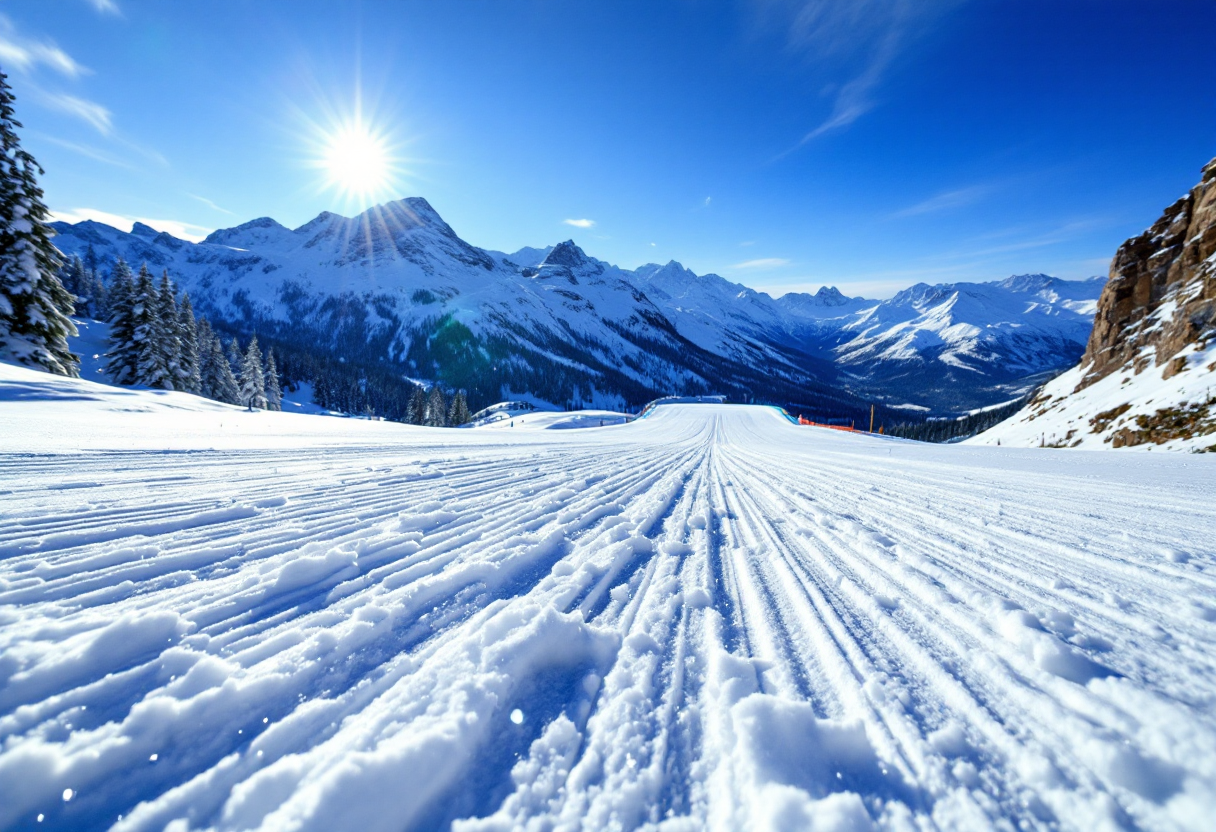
(868, 144)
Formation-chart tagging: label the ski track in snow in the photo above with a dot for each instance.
(708, 619)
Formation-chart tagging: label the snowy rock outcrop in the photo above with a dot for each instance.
(1148, 375)
(1161, 297)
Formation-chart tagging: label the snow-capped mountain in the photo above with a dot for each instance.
(976, 343)
(949, 347)
(396, 285)
(1148, 375)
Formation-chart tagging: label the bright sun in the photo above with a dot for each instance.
(357, 161)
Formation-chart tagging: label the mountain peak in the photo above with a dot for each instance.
(566, 254)
(404, 215)
(422, 208)
(321, 219)
(224, 236)
(672, 269)
(145, 231)
(1027, 282)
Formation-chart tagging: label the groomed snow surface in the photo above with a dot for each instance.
(708, 618)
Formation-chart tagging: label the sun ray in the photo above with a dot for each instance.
(357, 160)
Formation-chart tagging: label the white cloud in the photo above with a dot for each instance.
(107, 157)
(1095, 265)
(88, 152)
(183, 230)
(708, 200)
(762, 263)
(105, 7)
(580, 223)
(93, 113)
(856, 39)
(854, 99)
(211, 204)
(24, 55)
(1067, 232)
(747, 243)
(652, 244)
(944, 201)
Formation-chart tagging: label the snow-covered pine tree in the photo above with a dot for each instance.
(82, 283)
(72, 276)
(436, 408)
(35, 309)
(253, 383)
(122, 360)
(203, 336)
(99, 296)
(415, 411)
(90, 260)
(274, 391)
(225, 382)
(152, 369)
(170, 336)
(235, 357)
(188, 373)
(458, 413)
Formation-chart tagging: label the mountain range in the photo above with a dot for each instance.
(395, 286)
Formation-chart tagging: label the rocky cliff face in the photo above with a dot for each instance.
(1161, 296)
(1148, 375)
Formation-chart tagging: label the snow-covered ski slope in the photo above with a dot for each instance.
(709, 618)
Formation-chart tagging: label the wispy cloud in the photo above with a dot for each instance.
(945, 201)
(88, 151)
(708, 200)
(855, 97)
(747, 243)
(762, 263)
(105, 7)
(854, 40)
(89, 111)
(107, 157)
(580, 223)
(182, 230)
(1096, 265)
(1065, 232)
(24, 55)
(211, 204)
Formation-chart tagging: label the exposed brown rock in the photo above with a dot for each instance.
(1174, 367)
(1174, 261)
(1181, 422)
(1104, 419)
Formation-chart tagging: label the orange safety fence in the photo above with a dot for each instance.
(848, 429)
